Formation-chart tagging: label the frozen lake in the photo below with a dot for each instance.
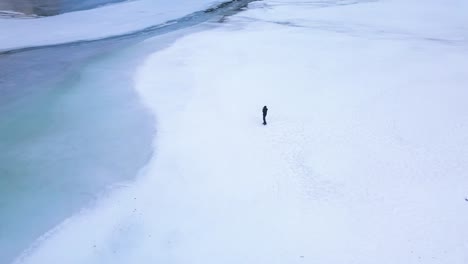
(147, 137)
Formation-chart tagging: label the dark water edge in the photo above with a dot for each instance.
(71, 125)
(51, 7)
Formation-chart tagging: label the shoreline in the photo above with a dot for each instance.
(122, 192)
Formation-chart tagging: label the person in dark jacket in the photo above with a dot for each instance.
(265, 111)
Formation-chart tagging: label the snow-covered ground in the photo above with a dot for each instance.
(97, 23)
(364, 159)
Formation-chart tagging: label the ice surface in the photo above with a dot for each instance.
(111, 20)
(363, 161)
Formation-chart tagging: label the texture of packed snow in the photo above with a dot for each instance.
(110, 20)
(364, 159)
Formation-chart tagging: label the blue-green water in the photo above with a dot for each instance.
(69, 128)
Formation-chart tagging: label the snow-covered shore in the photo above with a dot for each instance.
(106, 21)
(364, 159)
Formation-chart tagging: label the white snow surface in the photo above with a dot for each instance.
(364, 159)
(97, 23)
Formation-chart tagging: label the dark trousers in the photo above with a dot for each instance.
(264, 119)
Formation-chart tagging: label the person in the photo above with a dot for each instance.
(265, 111)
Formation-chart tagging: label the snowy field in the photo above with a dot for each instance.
(364, 159)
